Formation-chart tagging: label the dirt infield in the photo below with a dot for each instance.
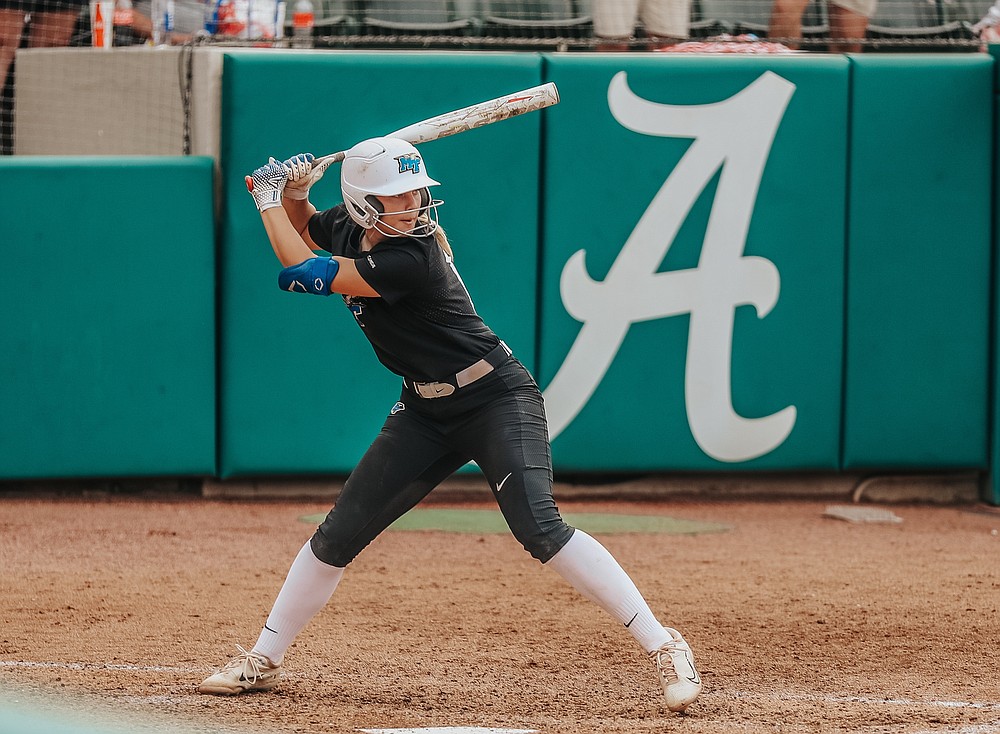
(799, 623)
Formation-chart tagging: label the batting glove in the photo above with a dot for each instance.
(266, 184)
(299, 181)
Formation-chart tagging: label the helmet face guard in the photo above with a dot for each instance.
(386, 167)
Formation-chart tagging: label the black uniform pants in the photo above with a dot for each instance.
(497, 421)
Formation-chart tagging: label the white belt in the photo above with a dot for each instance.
(470, 374)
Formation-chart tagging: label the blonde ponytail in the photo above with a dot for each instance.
(439, 234)
(442, 239)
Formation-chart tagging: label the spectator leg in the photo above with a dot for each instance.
(786, 21)
(52, 28)
(846, 23)
(11, 28)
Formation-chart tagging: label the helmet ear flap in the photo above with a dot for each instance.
(365, 211)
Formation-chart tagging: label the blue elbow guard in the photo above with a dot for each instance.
(310, 276)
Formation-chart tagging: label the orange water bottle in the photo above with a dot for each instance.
(302, 24)
(98, 25)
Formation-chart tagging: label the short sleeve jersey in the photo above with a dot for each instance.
(424, 326)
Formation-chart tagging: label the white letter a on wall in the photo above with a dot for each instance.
(736, 136)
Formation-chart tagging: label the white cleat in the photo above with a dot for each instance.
(247, 672)
(675, 664)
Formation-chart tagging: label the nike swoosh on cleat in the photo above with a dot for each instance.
(697, 677)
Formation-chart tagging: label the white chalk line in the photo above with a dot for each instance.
(989, 728)
(869, 700)
(98, 666)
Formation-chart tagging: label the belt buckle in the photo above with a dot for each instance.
(433, 389)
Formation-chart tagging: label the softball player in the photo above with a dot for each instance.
(464, 397)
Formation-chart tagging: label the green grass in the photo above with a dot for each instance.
(487, 522)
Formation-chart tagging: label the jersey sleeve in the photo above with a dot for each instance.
(394, 268)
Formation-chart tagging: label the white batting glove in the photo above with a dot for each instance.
(266, 184)
(299, 181)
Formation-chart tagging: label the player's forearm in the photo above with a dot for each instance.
(286, 242)
(299, 211)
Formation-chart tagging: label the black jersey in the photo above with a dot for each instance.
(424, 326)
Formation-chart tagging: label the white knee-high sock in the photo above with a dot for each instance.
(308, 587)
(592, 570)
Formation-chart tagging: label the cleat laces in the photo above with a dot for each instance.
(665, 664)
(248, 662)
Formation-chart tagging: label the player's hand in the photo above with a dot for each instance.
(266, 184)
(299, 181)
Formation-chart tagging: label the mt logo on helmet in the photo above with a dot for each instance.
(409, 163)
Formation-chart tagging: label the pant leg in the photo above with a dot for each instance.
(406, 461)
(509, 440)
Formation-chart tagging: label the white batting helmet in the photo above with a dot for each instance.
(385, 167)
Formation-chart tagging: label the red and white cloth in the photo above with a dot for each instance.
(726, 44)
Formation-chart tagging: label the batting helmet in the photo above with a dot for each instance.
(385, 167)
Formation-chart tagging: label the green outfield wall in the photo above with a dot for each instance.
(991, 488)
(920, 254)
(107, 290)
(711, 264)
